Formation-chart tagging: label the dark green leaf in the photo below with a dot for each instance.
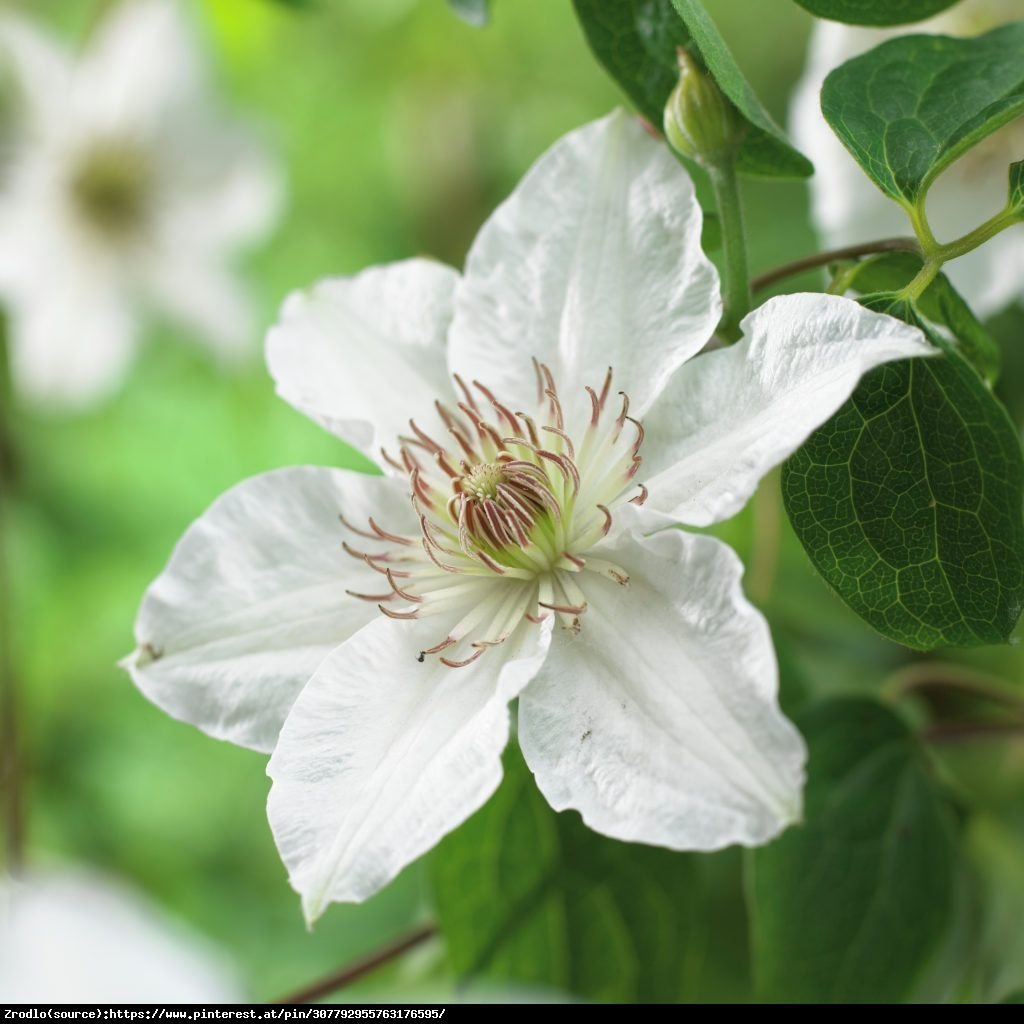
(908, 108)
(636, 41)
(908, 501)
(533, 897)
(474, 12)
(1014, 999)
(850, 906)
(940, 303)
(876, 12)
(1017, 184)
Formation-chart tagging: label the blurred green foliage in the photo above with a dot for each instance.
(401, 127)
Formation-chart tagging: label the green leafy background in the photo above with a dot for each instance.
(403, 130)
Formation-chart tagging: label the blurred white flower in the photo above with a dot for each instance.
(509, 545)
(849, 208)
(123, 189)
(76, 937)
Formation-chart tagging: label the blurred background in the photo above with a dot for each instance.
(400, 128)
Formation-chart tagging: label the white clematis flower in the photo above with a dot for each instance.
(849, 208)
(121, 188)
(76, 937)
(372, 631)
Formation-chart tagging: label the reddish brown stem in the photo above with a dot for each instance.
(353, 972)
(823, 259)
(953, 732)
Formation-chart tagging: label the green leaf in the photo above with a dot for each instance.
(876, 12)
(474, 12)
(636, 42)
(1017, 185)
(908, 108)
(533, 897)
(850, 906)
(940, 303)
(908, 502)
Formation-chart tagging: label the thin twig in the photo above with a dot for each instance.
(823, 259)
(353, 972)
(939, 676)
(951, 732)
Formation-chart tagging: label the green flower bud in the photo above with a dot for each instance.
(700, 123)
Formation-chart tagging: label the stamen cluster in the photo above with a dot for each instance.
(510, 508)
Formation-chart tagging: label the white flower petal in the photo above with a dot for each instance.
(142, 64)
(383, 754)
(71, 341)
(594, 261)
(254, 597)
(849, 208)
(363, 354)
(41, 71)
(658, 722)
(75, 937)
(731, 414)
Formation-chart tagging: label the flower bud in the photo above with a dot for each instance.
(700, 123)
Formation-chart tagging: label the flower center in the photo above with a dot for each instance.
(510, 506)
(483, 483)
(111, 188)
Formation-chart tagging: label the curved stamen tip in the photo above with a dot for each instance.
(391, 614)
(565, 609)
(640, 498)
(375, 598)
(447, 642)
(467, 661)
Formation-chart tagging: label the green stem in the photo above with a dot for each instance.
(981, 234)
(937, 253)
(734, 245)
(11, 768)
(923, 230)
(923, 278)
(843, 279)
